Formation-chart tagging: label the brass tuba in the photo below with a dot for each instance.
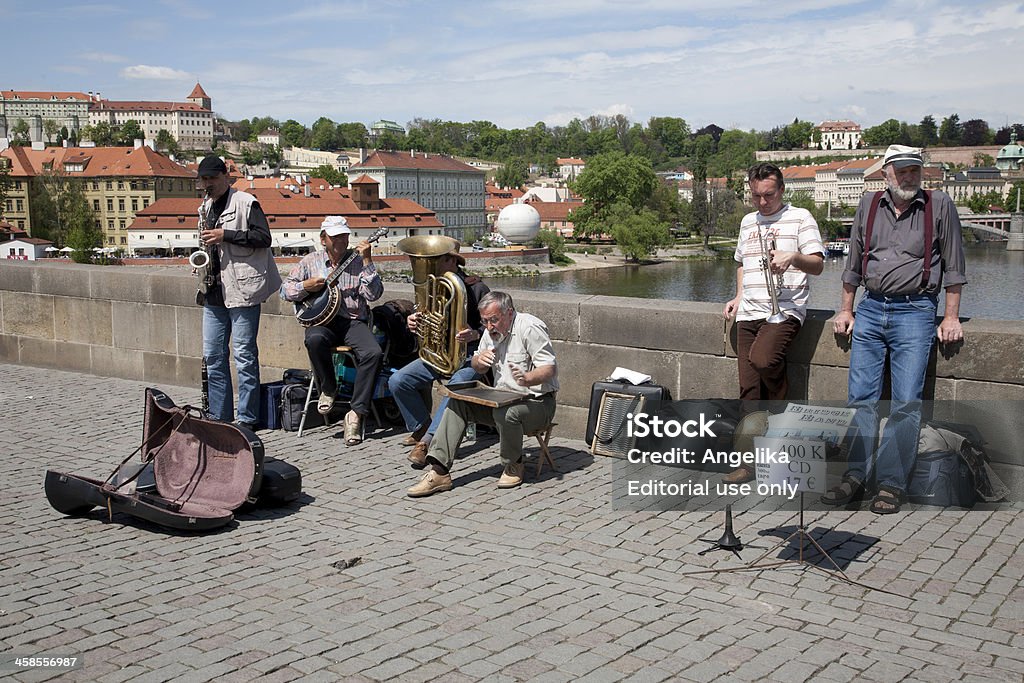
(441, 301)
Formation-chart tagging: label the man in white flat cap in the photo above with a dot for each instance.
(905, 246)
(359, 284)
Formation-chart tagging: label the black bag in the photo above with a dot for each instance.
(282, 483)
(293, 400)
(626, 399)
(390, 318)
(942, 478)
(297, 376)
(270, 405)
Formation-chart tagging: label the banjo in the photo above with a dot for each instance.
(319, 308)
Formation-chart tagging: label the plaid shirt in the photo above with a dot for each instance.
(358, 285)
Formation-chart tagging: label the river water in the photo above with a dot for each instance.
(994, 290)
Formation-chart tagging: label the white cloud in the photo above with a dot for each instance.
(156, 73)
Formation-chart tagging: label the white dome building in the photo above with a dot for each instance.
(518, 223)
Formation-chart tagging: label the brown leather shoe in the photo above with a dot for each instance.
(414, 438)
(740, 475)
(431, 482)
(512, 476)
(418, 456)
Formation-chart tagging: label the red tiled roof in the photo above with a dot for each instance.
(363, 180)
(198, 92)
(555, 211)
(289, 212)
(125, 105)
(571, 160)
(413, 160)
(99, 162)
(829, 126)
(43, 95)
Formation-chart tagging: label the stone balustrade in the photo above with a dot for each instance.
(141, 323)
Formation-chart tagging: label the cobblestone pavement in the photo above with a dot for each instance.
(546, 582)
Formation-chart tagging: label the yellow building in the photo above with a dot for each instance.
(117, 181)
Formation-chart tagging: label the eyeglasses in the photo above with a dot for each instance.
(493, 320)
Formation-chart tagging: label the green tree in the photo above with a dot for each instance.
(60, 212)
(664, 202)
(352, 135)
(555, 244)
(330, 174)
(980, 203)
(950, 131)
(5, 184)
(390, 140)
(293, 133)
(976, 132)
(700, 215)
(50, 128)
(638, 234)
(324, 134)
(609, 179)
(19, 132)
(101, 134)
(887, 133)
(735, 153)
(78, 222)
(928, 131)
(130, 132)
(166, 142)
(513, 174)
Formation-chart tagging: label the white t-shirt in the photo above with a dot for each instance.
(527, 345)
(795, 230)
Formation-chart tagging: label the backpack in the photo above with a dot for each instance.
(942, 478)
(390, 319)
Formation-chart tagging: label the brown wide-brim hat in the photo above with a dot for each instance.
(459, 258)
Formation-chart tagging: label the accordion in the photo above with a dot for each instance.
(610, 405)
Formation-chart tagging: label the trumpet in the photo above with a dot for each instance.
(773, 282)
(200, 262)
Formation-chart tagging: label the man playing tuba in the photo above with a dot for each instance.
(410, 384)
(779, 244)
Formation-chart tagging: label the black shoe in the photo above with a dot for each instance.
(251, 426)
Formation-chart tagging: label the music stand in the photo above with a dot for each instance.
(801, 533)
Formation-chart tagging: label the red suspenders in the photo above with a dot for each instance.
(929, 226)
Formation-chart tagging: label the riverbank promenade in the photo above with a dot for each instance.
(546, 582)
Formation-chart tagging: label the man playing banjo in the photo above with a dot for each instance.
(358, 284)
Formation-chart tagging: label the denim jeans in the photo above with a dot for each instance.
(241, 326)
(408, 385)
(905, 327)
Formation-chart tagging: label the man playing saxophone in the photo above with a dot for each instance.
(237, 239)
(779, 244)
(409, 384)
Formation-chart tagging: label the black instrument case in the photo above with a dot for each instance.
(194, 472)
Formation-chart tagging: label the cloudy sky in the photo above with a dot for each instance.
(735, 63)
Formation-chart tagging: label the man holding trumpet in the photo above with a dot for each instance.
(779, 245)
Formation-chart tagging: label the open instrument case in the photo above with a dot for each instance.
(194, 472)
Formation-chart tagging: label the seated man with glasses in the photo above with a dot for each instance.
(516, 348)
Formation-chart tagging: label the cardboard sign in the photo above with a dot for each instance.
(805, 471)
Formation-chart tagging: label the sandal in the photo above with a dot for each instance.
(324, 405)
(353, 428)
(848, 489)
(887, 501)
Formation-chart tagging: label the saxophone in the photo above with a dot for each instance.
(200, 261)
(440, 299)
